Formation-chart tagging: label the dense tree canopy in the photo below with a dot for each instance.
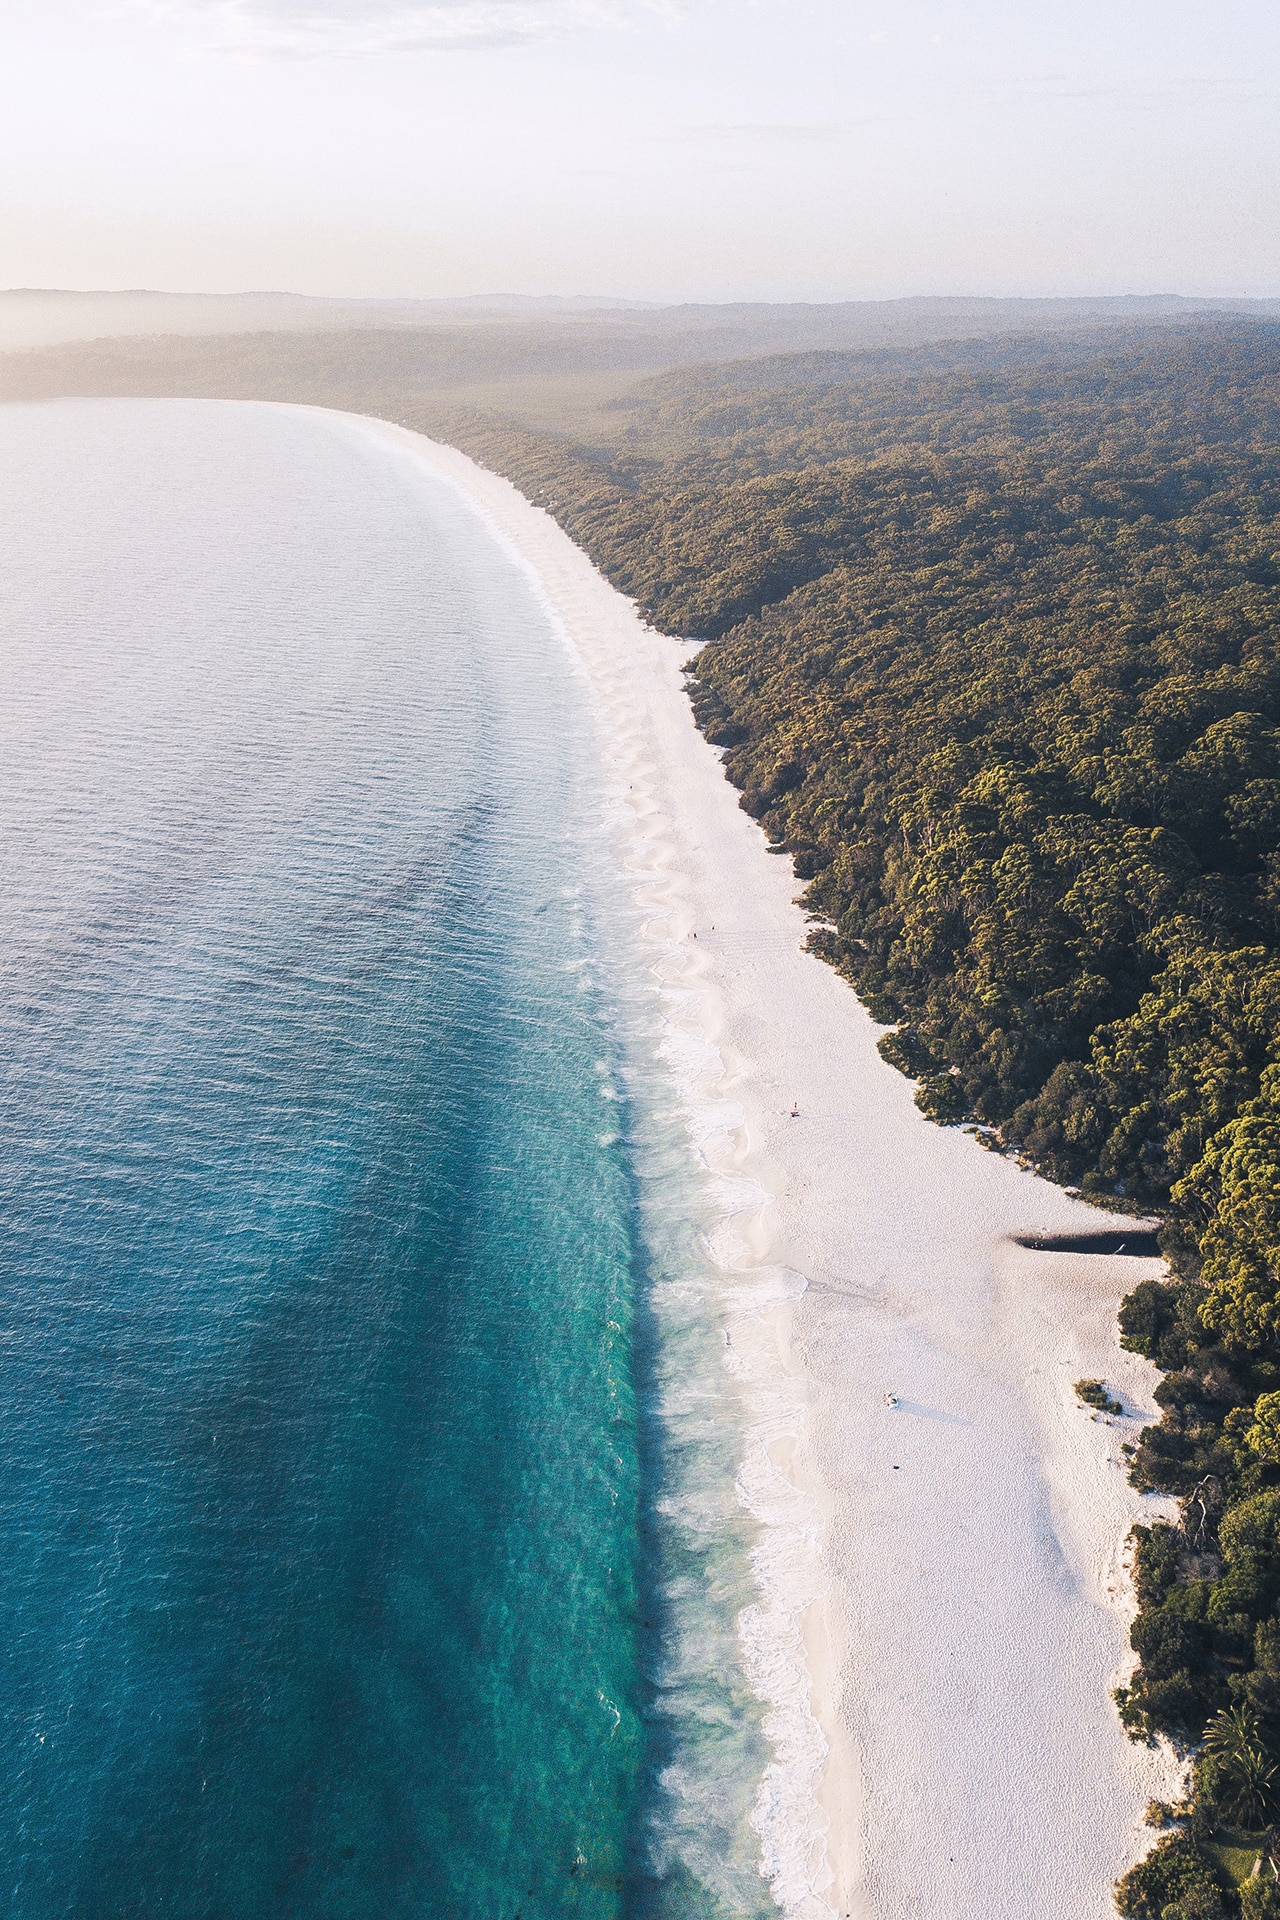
(997, 664)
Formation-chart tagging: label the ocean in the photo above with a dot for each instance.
(371, 1538)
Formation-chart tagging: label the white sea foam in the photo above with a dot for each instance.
(785, 1557)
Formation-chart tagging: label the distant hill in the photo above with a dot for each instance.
(605, 332)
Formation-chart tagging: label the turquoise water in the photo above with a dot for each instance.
(360, 1557)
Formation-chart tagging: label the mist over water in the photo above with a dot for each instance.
(367, 1494)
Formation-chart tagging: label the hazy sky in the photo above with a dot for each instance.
(810, 149)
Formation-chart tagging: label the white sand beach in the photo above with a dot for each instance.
(944, 1608)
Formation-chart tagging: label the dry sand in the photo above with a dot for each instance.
(944, 1607)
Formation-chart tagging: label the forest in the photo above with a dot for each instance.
(990, 641)
(991, 648)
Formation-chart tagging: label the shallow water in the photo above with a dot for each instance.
(363, 1554)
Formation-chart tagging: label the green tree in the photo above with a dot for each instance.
(1203, 1902)
(1172, 1871)
(1238, 1771)
(1263, 1437)
(1234, 1191)
(1260, 1899)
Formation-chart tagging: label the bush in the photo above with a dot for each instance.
(1250, 1533)
(1093, 1393)
(1155, 1562)
(1235, 1187)
(1235, 1775)
(1174, 1869)
(1150, 1323)
(1168, 1643)
(1266, 1648)
(1263, 1437)
(1260, 1899)
(1200, 1903)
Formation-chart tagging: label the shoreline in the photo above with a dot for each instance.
(943, 1603)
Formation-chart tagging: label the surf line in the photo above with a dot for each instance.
(632, 679)
(634, 682)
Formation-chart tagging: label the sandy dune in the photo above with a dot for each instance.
(943, 1604)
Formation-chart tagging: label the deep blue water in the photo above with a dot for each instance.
(335, 1580)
